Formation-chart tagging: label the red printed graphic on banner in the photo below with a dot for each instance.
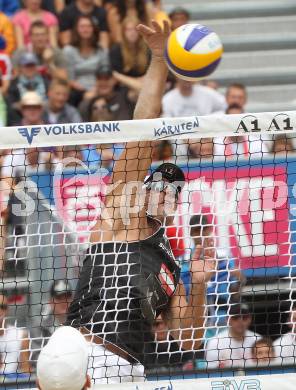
(249, 208)
(79, 201)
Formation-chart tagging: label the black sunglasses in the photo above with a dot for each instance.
(4, 307)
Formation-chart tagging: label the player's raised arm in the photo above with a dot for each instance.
(135, 160)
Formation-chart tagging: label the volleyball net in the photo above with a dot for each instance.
(237, 206)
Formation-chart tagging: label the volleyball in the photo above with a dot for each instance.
(193, 52)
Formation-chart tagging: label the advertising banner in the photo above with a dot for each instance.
(251, 204)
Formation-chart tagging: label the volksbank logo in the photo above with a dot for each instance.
(166, 130)
(81, 128)
(29, 134)
(251, 124)
(236, 384)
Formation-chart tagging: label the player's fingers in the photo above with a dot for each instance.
(156, 26)
(166, 27)
(144, 30)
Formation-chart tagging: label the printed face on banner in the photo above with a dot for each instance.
(79, 201)
(249, 209)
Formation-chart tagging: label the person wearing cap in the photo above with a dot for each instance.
(54, 315)
(27, 80)
(63, 362)
(117, 97)
(285, 345)
(129, 275)
(232, 347)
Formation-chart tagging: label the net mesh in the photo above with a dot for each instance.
(81, 244)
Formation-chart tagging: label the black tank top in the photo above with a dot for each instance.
(122, 288)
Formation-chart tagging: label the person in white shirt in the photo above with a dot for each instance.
(190, 99)
(285, 346)
(14, 344)
(233, 346)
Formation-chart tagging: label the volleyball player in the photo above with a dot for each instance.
(129, 276)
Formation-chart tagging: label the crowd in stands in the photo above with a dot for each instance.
(64, 61)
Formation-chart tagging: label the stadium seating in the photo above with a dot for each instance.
(249, 31)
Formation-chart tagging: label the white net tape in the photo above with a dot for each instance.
(237, 209)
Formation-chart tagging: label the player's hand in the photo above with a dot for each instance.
(203, 267)
(155, 37)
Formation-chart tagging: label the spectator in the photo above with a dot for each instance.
(101, 156)
(241, 146)
(282, 145)
(31, 109)
(5, 70)
(14, 344)
(233, 346)
(116, 97)
(54, 316)
(7, 34)
(236, 94)
(138, 9)
(189, 99)
(57, 110)
(77, 8)
(67, 355)
(54, 6)
(9, 7)
(51, 60)
(83, 58)
(285, 345)
(28, 80)
(179, 16)
(61, 296)
(131, 56)
(24, 18)
(262, 353)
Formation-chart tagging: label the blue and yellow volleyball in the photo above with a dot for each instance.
(193, 52)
